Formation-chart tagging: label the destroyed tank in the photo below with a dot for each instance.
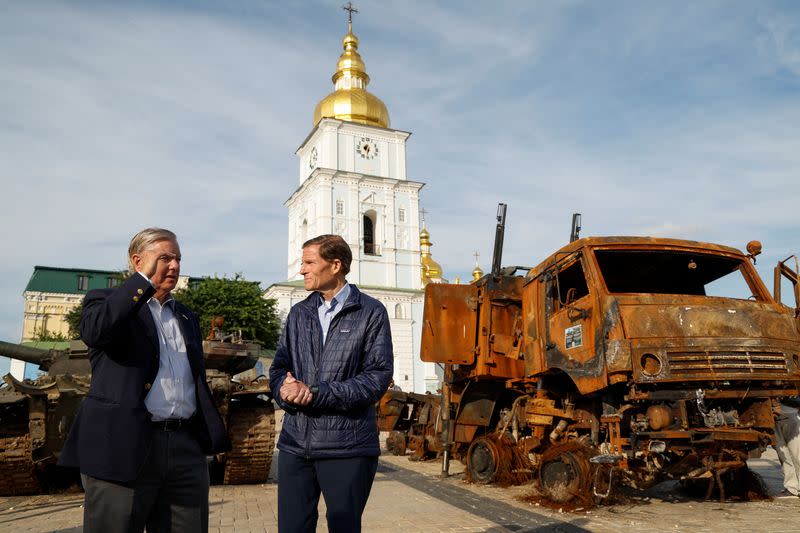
(242, 396)
(617, 361)
(35, 417)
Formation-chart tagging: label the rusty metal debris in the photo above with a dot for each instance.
(615, 362)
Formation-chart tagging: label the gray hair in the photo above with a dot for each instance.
(142, 240)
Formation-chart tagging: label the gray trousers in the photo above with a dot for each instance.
(170, 494)
(787, 431)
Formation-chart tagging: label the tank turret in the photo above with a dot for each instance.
(241, 393)
(35, 416)
(74, 360)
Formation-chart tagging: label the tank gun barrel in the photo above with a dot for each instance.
(37, 356)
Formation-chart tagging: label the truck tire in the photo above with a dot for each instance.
(483, 458)
(565, 476)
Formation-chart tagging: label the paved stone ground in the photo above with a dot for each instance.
(409, 496)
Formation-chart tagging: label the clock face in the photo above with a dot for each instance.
(312, 160)
(367, 148)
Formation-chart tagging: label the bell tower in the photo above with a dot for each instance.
(352, 182)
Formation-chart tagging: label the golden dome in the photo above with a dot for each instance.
(431, 271)
(477, 273)
(350, 99)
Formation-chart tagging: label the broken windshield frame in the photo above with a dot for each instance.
(675, 272)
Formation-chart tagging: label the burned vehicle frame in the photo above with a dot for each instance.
(615, 361)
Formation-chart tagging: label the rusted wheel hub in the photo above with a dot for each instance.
(564, 474)
(483, 457)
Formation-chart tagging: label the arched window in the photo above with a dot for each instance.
(369, 233)
(398, 311)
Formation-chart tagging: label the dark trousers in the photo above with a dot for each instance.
(344, 483)
(170, 494)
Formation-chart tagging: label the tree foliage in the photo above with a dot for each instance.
(73, 318)
(44, 334)
(239, 302)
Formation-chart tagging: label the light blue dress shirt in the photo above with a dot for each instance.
(328, 310)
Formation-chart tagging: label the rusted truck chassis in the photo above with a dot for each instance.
(617, 360)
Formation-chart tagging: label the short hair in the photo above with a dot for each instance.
(142, 240)
(333, 247)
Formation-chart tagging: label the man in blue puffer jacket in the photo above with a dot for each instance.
(333, 362)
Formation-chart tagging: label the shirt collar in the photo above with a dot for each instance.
(341, 296)
(170, 302)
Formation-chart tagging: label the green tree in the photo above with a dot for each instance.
(239, 302)
(44, 334)
(73, 318)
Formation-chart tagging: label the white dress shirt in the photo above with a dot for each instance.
(172, 393)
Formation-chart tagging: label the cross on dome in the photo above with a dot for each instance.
(350, 10)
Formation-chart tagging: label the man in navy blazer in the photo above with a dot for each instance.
(143, 431)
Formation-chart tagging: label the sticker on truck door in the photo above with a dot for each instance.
(573, 337)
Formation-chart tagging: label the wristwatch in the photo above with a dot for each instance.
(314, 391)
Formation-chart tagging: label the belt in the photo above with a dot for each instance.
(172, 424)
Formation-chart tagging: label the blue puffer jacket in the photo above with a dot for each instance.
(352, 371)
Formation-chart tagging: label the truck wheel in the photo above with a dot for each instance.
(565, 475)
(483, 457)
(396, 443)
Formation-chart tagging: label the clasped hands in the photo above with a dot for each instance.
(295, 391)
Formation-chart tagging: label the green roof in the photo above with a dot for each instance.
(67, 280)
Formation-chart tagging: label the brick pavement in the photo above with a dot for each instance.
(409, 496)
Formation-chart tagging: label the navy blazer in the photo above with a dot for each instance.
(111, 435)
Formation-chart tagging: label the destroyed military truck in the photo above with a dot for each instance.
(617, 361)
(35, 416)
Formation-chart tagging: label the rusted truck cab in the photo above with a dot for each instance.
(616, 359)
(645, 311)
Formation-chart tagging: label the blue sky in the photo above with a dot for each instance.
(677, 119)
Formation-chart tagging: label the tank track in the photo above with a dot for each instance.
(17, 473)
(252, 432)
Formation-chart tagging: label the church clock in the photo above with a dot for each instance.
(367, 148)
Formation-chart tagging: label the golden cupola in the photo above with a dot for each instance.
(477, 273)
(431, 271)
(350, 99)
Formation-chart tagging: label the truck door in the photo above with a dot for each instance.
(449, 324)
(782, 270)
(570, 327)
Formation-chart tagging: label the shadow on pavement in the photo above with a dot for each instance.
(507, 517)
(23, 509)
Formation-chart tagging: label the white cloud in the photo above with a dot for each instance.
(674, 120)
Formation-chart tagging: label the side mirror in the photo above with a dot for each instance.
(753, 249)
